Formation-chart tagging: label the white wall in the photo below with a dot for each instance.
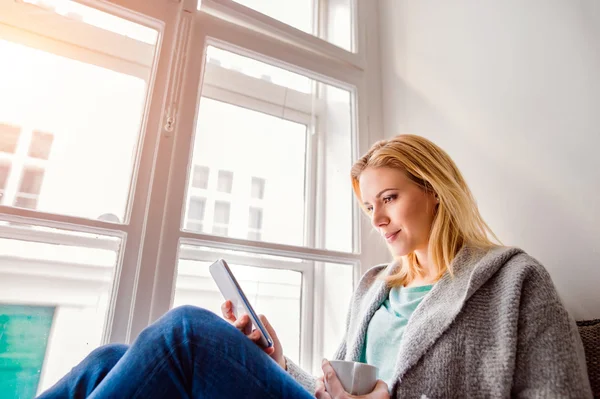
(511, 89)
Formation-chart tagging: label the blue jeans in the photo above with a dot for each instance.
(188, 353)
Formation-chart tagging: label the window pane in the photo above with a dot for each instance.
(79, 100)
(297, 13)
(200, 177)
(282, 143)
(258, 188)
(225, 181)
(273, 292)
(227, 60)
(273, 161)
(75, 279)
(337, 17)
(9, 137)
(338, 286)
(40, 145)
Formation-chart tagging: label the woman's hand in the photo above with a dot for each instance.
(245, 326)
(330, 387)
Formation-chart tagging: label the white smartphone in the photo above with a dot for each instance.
(231, 290)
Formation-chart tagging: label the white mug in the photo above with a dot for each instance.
(356, 378)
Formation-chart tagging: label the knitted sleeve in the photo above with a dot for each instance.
(550, 358)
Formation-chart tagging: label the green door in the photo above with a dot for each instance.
(24, 334)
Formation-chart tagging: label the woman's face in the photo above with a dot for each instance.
(401, 211)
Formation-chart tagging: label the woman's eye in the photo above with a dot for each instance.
(369, 209)
(388, 198)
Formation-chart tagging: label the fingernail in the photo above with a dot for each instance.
(323, 361)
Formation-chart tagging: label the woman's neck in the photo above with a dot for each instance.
(430, 274)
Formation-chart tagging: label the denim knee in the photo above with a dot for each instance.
(107, 355)
(188, 314)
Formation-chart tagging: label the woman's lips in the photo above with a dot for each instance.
(390, 237)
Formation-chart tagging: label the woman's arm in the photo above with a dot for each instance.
(550, 360)
(309, 381)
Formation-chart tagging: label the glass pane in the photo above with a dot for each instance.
(297, 13)
(273, 292)
(278, 141)
(9, 137)
(91, 16)
(272, 141)
(300, 14)
(78, 101)
(257, 69)
(338, 286)
(73, 279)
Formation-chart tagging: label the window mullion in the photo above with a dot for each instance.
(177, 154)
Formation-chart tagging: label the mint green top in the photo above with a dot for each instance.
(386, 328)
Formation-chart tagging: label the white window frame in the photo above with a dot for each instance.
(151, 236)
(208, 29)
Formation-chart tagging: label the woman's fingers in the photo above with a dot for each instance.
(332, 383)
(227, 311)
(321, 392)
(242, 323)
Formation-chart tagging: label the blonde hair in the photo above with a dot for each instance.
(457, 221)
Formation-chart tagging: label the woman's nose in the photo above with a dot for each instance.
(379, 218)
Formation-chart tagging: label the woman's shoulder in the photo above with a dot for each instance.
(521, 264)
(525, 273)
(375, 273)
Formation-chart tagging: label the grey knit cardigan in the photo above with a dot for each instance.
(495, 329)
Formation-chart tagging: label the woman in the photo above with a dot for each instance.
(454, 315)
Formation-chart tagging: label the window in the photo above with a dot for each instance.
(196, 208)
(200, 177)
(40, 145)
(221, 218)
(144, 140)
(225, 181)
(258, 188)
(9, 137)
